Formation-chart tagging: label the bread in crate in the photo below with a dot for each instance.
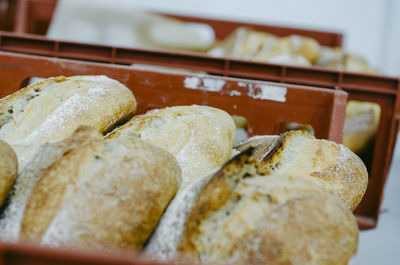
(273, 203)
(51, 110)
(106, 194)
(361, 125)
(327, 164)
(200, 137)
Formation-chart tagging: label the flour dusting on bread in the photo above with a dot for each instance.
(50, 110)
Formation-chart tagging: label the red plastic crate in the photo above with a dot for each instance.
(21, 254)
(321, 108)
(34, 16)
(374, 88)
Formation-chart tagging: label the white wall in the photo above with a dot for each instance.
(371, 27)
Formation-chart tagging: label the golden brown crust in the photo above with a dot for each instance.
(83, 201)
(244, 217)
(270, 204)
(8, 169)
(200, 137)
(346, 178)
(64, 173)
(95, 101)
(216, 193)
(325, 163)
(295, 235)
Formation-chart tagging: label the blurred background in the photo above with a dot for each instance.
(371, 30)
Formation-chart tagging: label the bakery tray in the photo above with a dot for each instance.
(23, 254)
(266, 105)
(34, 16)
(373, 88)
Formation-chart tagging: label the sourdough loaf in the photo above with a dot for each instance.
(8, 169)
(200, 137)
(90, 193)
(103, 194)
(327, 164)
(47, 155)
(52, 109)
(242, 215)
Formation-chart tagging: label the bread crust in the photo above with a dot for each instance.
(270, 204)
(244, 217)
(105, 194)
(361, 125)
(56, 180)
(8, 169)
(200, 137)
(325, 163)
(50, 110)
(45, 157)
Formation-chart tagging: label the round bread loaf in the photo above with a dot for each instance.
(330, 165)
(361, 125)
(8, 169)
(51, 110)
(102, 194)
(200, 137)
(240, 215)
(268, 220)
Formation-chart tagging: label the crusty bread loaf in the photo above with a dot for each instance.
(361, 125)
(51, 110)
(47, 155)
(8, 169)
(323, 162)
(240, 215)
(271, 221)
(102, 194)
(200, 137)
(87, 192)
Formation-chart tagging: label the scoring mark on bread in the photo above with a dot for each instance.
(219, 193)
(222, 198)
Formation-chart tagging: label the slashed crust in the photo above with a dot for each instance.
(246, 216)
(108, 195)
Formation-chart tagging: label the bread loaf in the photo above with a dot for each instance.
(47, 155)
(248, 44)
(323, 162)
(242, 215)
(51, 110)
(200, 137)
(8, 169)
(361, 125)
(106, 194)
(245, 43)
